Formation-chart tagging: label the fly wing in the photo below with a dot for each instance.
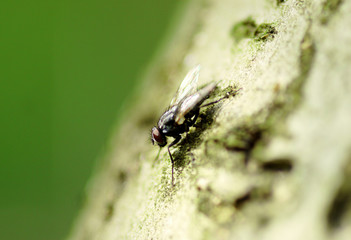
(193, 101)
(188, 86)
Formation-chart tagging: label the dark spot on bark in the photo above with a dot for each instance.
(121, 176)
(256, 193)
(243, 139)
(279, 165)
(109, 211)
(239, 202)
(337, 209)
(342, 201)
(280, 2)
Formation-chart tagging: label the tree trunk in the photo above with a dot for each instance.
(271, 162)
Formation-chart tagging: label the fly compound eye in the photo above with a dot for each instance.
(158, 137)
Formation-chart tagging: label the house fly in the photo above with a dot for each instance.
(183, 112)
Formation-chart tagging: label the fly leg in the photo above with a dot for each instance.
(176, 140)
(227, 95)
(214, 102)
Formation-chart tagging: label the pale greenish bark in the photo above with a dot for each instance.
(272, 162)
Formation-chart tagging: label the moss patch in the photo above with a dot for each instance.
(244, 29)
(249, 29)
(264, 32)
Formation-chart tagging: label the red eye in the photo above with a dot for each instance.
(158, 137)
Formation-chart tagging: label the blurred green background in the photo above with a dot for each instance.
(66, 68)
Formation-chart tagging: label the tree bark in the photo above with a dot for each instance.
(271, 162)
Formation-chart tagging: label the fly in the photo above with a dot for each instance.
(183, 112)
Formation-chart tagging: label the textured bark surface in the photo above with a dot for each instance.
(272, 162)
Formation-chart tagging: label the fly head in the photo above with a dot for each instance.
(158, 137)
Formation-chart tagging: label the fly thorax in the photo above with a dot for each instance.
(166, 122)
